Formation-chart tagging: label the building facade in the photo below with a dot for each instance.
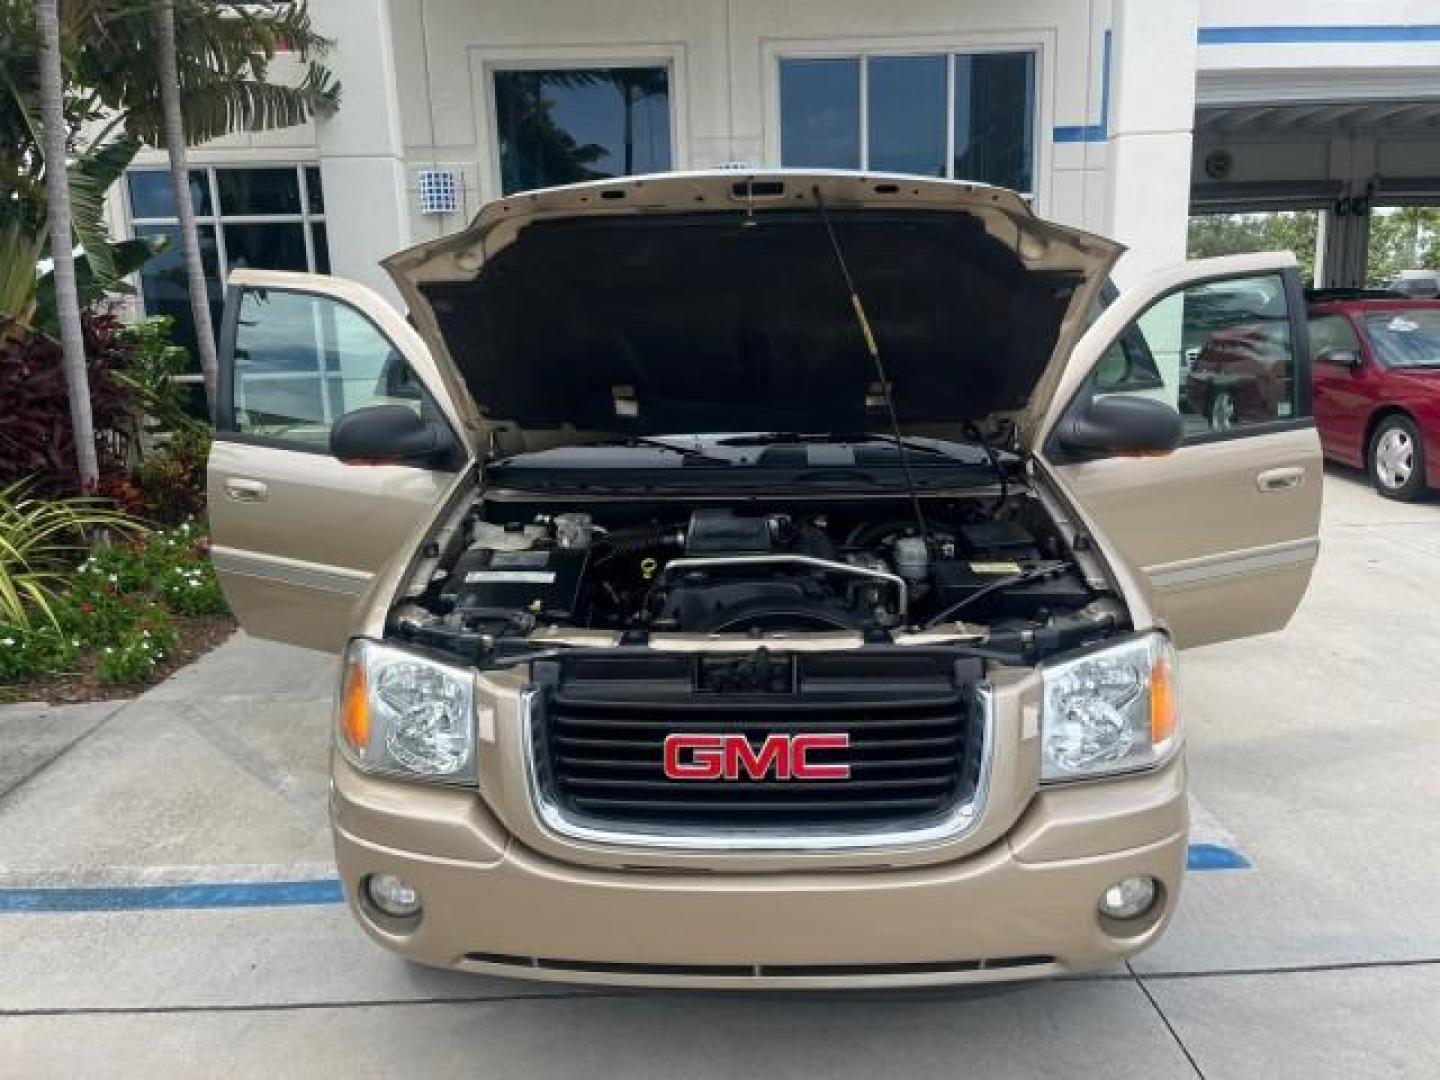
(1120, 116)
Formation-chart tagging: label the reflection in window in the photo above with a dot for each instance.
(263, 220)
(995, 118)
(163, 282)
(1223, 353)
(271, 246)
(302, 362)
(1405, 337)
(908, 100)
(566, 125)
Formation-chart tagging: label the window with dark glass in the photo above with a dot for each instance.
(270, 218)
(960, 115)
(820, 121)
(565, 125)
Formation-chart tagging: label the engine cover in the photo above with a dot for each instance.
(707, 604)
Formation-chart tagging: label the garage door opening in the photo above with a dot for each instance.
(1352, 187)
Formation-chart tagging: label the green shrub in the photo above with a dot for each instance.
(172, 477)
(136, 652)
(28, 652)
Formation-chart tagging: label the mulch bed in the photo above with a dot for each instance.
(198, 635)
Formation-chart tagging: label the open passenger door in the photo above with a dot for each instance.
(1224, 530)
(298, 534)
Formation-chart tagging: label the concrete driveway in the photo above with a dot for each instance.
(167, 905)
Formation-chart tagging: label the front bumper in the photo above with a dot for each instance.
(1024, 907)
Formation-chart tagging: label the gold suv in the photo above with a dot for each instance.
(761, 580)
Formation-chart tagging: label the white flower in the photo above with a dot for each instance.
(108, 650)
(7, 641)
(75, 642)
(113, 579)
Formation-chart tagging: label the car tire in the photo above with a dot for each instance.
(1221, 413)
(1396, 459)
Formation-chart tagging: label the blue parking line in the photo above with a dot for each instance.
(240, 894)
(1215, 857)
(320, 891)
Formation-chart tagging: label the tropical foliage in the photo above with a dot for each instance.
(39, 542)
(1403, 238)
(118, 613)
(112, 105)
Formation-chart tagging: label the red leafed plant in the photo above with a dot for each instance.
(36, 438)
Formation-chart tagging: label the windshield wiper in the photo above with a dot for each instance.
(690, 453)
(795, 438)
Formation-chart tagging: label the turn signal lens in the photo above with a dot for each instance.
(355, 707)
(1164, 700)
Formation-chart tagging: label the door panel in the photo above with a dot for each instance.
(298, 535)
(1341, 393)
(1223, 533)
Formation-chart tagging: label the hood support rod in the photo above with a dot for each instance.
(874, 350)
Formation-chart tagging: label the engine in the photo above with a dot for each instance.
(747, 571)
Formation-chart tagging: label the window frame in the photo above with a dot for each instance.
(217, 220)
(485, 62)
(225, 426)
(1041, 45)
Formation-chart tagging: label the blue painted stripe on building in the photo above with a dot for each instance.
(1080, 133)
(1086, 133)
(1295, 35)
(159, 897)
(1215, 857)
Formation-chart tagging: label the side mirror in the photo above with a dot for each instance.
(1121, 424)
(388, 435)
(1346, 358)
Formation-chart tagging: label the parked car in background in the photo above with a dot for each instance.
(1376, 379)
(1419, 283)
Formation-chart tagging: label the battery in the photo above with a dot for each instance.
(545, 581)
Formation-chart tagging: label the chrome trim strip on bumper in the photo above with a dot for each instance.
(1188, 572)
(962, 819)
(305, 575)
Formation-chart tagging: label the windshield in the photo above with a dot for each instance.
(1406, 338)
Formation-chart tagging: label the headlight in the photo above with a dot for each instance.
(406, 715)
(1109, 711)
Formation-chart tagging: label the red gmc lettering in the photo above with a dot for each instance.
(729, 757)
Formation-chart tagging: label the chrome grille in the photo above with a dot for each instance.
(599, 721)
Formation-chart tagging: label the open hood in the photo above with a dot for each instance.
(707, 302)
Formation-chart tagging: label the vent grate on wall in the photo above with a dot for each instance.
(439, 191)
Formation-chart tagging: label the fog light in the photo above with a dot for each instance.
(394, 896)
(1129, 898)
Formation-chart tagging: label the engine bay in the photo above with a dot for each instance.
(506, 577)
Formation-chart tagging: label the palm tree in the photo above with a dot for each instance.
(62, 252)
(163, 14)
(181, 72)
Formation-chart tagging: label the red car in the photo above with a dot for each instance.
(1376, 376)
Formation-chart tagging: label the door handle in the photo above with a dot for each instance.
(1280, 479)
(239, 490)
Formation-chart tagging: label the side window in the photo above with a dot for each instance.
(1330, 334)
(1219, 352)
(302, 361)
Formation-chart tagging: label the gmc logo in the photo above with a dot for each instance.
(729, 757)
